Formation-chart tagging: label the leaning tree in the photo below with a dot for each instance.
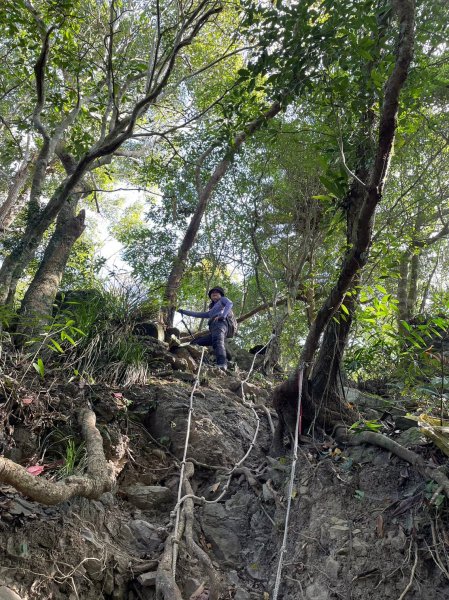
(324, 345)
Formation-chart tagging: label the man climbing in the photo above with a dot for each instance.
(218, 313)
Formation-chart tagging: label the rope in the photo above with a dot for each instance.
(183, 464)
(292, 479)
(202, 500)
(249, 405)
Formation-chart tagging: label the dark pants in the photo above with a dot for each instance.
(216, 339)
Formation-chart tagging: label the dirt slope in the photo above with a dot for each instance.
(362, 524)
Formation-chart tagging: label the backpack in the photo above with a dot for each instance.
(232, 325)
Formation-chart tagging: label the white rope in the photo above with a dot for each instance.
(290, 487)
(202, 500)
(183, 464)
(249, 405)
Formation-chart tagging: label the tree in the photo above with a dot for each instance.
(107, 103)
(324, 405)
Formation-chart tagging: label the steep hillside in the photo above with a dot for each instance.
(363, 523)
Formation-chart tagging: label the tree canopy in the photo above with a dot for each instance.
(296, 153)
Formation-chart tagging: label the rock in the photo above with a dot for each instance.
(403, 423)
(108, 581)
(248, 388)
(148, 497)
(17, 548)
(397, 542)
(190, 586)
(338, 532)
(359, 547)
(94, 568)
(196, 351)
(243, 358)
(119, 587)
(145, 535)
(257, 572)
(7, 593)
(221, 428)
(267, 493)
(147, 579)
(411, 437)
(151, 329)
(317, 592)
(183, 354)
(107, 499)
(382, 458)
(364, 400)
(332, 568)
(217, 528)
(180, 364)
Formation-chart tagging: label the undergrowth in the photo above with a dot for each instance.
(90, 336)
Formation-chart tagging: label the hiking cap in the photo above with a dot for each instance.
(216, 289)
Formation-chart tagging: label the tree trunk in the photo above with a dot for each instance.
(360, 235)
(16, 197)
(273, 353)
(413, 283)
(38, 301)
(327, 368)
(204, 194)
(402, 289)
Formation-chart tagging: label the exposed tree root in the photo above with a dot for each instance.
(99, 479)
(268, 415)
(166, 586)
(377, 439)
(192, 546)
(321, 412)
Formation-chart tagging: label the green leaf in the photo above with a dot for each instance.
(56, 346)
(39, 367)
(344, 309)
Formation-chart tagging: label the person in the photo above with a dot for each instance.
(219, 309)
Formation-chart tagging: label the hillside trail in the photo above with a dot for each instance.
(363, 523)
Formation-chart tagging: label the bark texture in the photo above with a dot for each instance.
(16, 196)
(38, 301)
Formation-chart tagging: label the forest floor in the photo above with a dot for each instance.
(363, 523)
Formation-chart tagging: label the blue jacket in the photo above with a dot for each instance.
(221, 308)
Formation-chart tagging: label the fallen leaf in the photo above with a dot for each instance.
(27, 401)
(117, 395)
(380, 526)
(35, 469)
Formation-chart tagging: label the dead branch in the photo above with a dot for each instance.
(99, 478)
